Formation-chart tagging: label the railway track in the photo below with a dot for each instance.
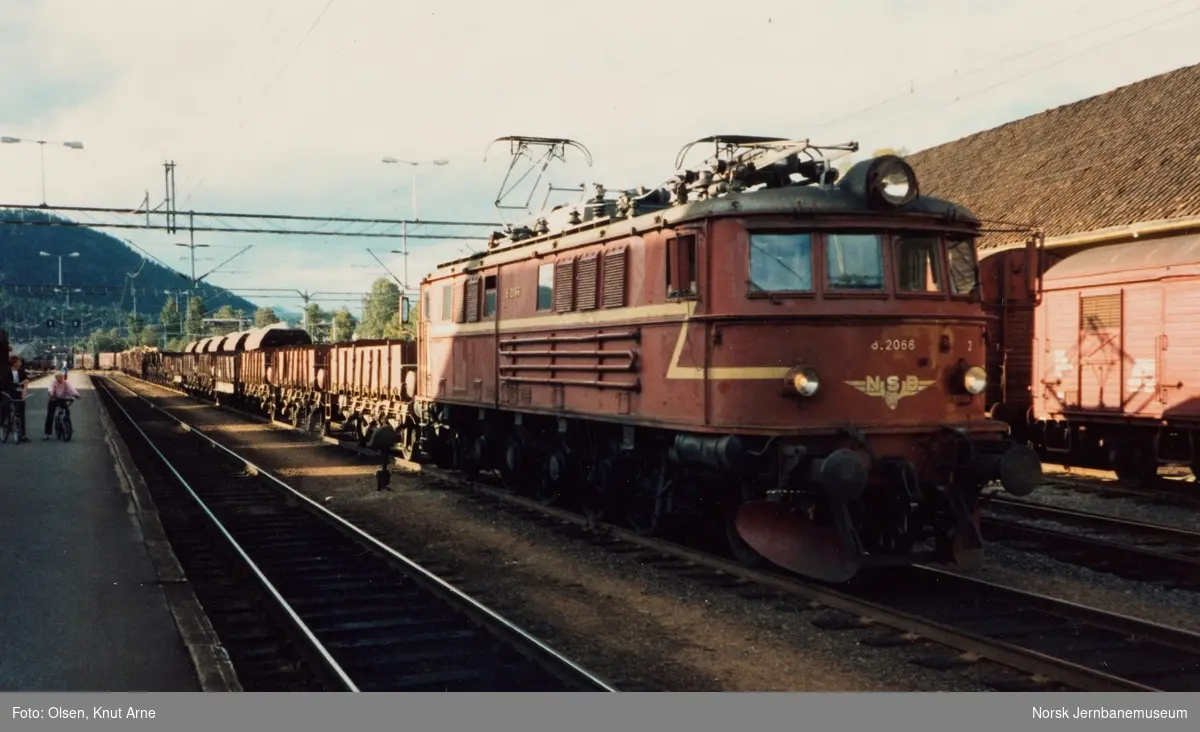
(330, 607)
(1164, 555)
(946, 620)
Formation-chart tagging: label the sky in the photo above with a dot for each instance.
(289, 106)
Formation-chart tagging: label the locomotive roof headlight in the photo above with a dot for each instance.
(893, 180)
(886, 181)
(803, 380)
(975, 380)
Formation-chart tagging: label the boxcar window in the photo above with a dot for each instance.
(545, 290)
(855, 261)
(781, 263)
(489, 296)
(964, 272)
(918, 264)
(447, 302)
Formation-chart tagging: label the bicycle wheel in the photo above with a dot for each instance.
(66, 429)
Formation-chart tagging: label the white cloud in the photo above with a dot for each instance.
(140, 82)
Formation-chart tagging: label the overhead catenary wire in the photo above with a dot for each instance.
(1004, 82)
(266, 89)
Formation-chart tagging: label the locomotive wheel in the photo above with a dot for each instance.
(466, 461)
(598, 494)
(553, 476)
(514, 466)
(646, 500)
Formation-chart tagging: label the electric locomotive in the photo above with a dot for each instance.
(793, 355)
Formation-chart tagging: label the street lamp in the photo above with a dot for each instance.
(60, 259)
(404, 226)
(42, 145)
(414, 164)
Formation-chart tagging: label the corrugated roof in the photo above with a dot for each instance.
(1116, 159)
(1127, 258)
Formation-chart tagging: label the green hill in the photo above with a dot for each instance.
(98, 290)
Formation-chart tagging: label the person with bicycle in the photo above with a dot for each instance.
(18, 389)
(61, 394)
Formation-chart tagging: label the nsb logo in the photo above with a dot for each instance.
(891, 388)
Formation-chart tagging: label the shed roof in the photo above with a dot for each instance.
(1119, 158)
(1126, 258)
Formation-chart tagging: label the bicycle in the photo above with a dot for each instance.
(10, 423)
(62, 420)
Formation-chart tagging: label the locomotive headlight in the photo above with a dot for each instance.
(975, 380)
(894, 181)
(804, 380)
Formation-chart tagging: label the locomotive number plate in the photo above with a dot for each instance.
(512, 292)
(894, 344)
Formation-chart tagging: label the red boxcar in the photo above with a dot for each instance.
(1115, 348)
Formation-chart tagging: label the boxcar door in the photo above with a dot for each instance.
(1100, 352)
(1142, 321)
(1058, 319)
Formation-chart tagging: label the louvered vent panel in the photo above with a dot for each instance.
(564, 289)
(614, 279)
(460, 304)
(473, 300)
(589, 269)
(1100, 313)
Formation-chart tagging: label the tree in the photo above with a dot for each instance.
(343, 326)
(225, 312)
(148, 336)
(264, 317)
(382, 310)
(171, 319)
(195, 317)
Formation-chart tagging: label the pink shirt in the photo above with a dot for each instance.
(63, 390)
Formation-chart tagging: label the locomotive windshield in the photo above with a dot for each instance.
(784, 262)
(854, 261)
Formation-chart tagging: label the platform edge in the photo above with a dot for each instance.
(213, 666)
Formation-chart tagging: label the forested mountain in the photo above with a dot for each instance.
(114, 297)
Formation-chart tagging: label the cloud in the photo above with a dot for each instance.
(257, 122)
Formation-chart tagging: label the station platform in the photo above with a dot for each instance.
(83, 606)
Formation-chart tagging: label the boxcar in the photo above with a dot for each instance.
(1116, 347)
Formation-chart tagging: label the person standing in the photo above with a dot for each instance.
(18, 390)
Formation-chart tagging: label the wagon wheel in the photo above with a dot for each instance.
(1133, 461)
(408, 439)
(598, 493)
(646, 501)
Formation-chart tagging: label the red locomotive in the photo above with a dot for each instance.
(800, 358)
(793, 358)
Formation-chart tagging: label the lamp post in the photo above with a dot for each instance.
(60, 259)
(404, 226)
(42, 145)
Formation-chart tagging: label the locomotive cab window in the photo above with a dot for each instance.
(781, 263)
(545, 287)
(854, 262)
(918, 262)
(447, 302)
(964, 270)
(489, 296)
